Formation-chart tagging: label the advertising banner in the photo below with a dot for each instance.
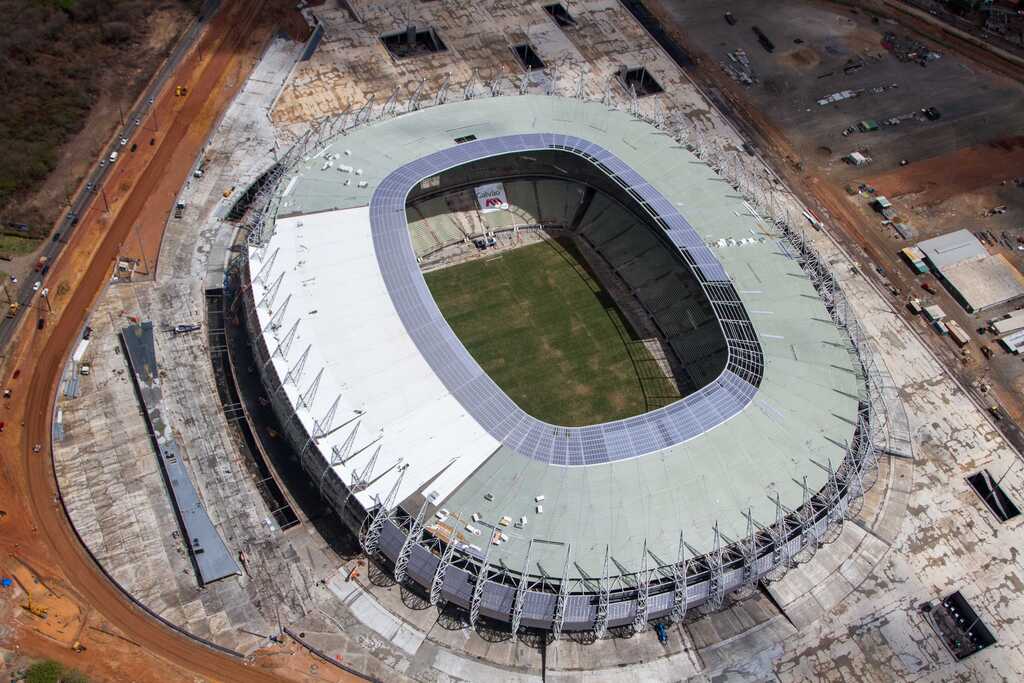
(491, 197)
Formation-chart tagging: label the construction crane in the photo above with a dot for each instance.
(34, 609)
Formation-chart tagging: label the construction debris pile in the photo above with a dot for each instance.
(739, 69)
(1006, 22)
(850, 94)
(906, 49)
(871, 125)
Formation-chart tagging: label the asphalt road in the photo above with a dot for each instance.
(30, 301)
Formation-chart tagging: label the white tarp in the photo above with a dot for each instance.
(491, 197)
(80, 351)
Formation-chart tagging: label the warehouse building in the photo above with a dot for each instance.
(977, 279)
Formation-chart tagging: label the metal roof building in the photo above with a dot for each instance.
(408, 436)
(1008, 323)
(978, 279)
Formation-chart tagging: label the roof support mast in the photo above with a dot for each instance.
(517, 607)
(680, 571)
(478, 587)
(558, 620)
(442, 567)
(603, 600)
(371, 541)
(642, 594)
(411, 539)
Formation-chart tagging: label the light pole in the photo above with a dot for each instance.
(45, 294)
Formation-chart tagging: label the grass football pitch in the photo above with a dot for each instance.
(549, 335)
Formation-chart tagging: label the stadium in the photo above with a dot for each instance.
(554, 371)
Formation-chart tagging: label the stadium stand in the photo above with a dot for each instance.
(663, 286)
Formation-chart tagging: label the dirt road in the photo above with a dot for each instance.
(120, 638)
(939, 178)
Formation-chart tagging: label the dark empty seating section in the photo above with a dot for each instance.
(558, 200)
(655, 265)
(631, 244)
(603, 223)
(665, 287)
(701, 351)
(522, 201)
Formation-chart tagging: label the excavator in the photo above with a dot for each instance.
(34, 609)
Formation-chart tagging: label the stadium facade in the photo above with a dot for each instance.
(485, 508)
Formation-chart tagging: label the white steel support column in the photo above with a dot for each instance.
(286, 343)
(716, 590)
(295, 372)
(365, 112)
(411, 539)
(361, 479)
(278, 319)
(481, 579)
(322, 427)
(308, 396)
(603, 600)
(806, 515)
(268, 297)
(750, 549)
(558, 619)
(680, 573)
(389, 106)
(264, 271)
(779, 536)
(517, 605)
(442, 567)
(371, 542)
(643, 592)
(468, 92)
(442, 92)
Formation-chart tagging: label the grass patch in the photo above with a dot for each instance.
(13, 245)
(49, 671)
(549, 335)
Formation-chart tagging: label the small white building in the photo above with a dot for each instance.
(934, 313)
(1008, 323)
(858, 158)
